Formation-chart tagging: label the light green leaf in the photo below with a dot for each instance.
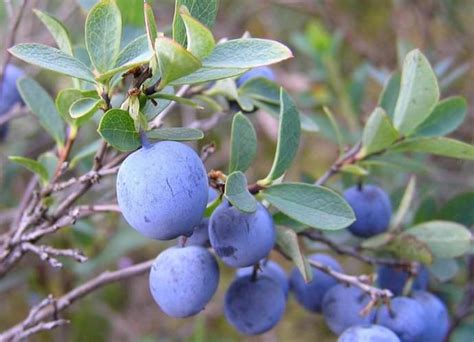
(445, 118)
(57, 30)
(444, 269)
(176, 134)
(41, 104)
(389, 96)
(103, 34)
(84, 107)
(243, 144)
(261, 89)
(200, 39)
(204, 11)
(246, 53)
(31, 165)
(419, 93)
(174, 61)
(408, 247)
(316, 206)
(237, 193)
(445, 239)
(355, 170)
(203, 75)
(52, 59)
(405, 204)
(437, 145)
(118, 129)
(151, 110)
(289, 132)
(378, 133)
(287, 240)
(64, 100)
(150, 25)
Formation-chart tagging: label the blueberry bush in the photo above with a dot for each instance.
(149, 156)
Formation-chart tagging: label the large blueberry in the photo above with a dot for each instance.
(342, 308)
(310, 295)
(394, 279)
(372, 209)
(368, 333)
(162, 190)
(254, 306)
(9, 94)
(183, 280)
(200, 236)
(270, 269)
(405, 318)
(435, 315)
(241, 239)
(262, 71)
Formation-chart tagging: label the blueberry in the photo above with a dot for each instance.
(183, 280)
(254, 306)
(342, 308)
(270, 269)
(372, 209)
(394, 279)
(310, 295)
(435, 315)
(9, 94)
(200, 236)
(212, 195)
(368, 333)
(241, 239)
(262, 71)
(406, 319)
(162, 190)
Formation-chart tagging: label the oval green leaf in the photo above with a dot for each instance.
(176, 134)
(57, 30)
(237, 193)
(84, 107)
(378, 133)
(243, 143)
(200, 39)
(437, 145)
(118, 129)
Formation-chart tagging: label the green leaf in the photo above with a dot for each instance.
(150, 25)
(281, 219)
(176, 134)
(135, 52)
(200, 39)
(316, 206)
(204, 11)
(103, 34)
(64, 100)
(41, 104)
(261, 89)
(49, 160)
(405, 204)
(389, 96)
(419, 93)
(408, 247)
(243, 144)
(427, 211)
(118, 129)
(52, 59)
(355, 170)
(445, 239)
(151, 110)
(287, 240)
(444, 269)
(57, 30)
(459, 209)
(237, 193)
(377, 241)
(289, 132)
(445, 118)
(437, 145)
(84, 107)
(246, 53)
(378, 133)
(174, 61)
(32, 165)
(203, 75)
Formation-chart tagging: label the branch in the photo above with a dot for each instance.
(51, 308)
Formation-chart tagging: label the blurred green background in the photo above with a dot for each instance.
(344, 52)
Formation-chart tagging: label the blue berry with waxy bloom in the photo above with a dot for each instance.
(254, 306)
(241, 239)
(405, 318)
(9, 94)
(343, 308)
(183, 280)
(162, 190)
(368, 333)
(200, 235)
(270, 269)
(394, 279)
(435, 314)
(310, 295)
(263, 71)
(372, 209)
